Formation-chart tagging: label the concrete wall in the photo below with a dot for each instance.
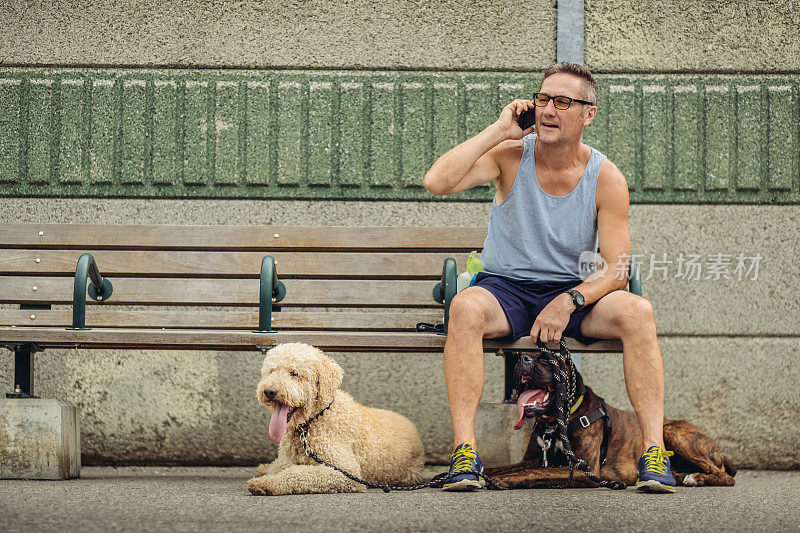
(409, 34)
(620, 35)
(729, 346)
(692, 36)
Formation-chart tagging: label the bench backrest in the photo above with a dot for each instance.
(337, 278)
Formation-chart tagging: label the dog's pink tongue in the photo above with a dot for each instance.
(277, 423)
(523, 399)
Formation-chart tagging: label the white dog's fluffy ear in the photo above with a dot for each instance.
(329, 375)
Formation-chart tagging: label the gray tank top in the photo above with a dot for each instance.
(536, 236)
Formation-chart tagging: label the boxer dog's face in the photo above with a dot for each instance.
(536, 385)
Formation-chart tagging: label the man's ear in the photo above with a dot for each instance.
(329, 377)
(589, 114)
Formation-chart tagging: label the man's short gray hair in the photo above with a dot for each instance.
(590, 88)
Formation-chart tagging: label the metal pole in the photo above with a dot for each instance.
(569, 31)
(569, 47)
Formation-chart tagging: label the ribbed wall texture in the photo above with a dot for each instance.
(372, 135)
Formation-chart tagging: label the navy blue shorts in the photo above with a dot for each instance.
(522, 301)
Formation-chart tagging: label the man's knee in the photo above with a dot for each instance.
(637, 318)
(468, 312)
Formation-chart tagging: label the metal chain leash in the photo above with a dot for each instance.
(560, 362)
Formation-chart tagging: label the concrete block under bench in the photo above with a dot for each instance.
(39, 439)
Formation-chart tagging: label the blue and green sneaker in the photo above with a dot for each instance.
(465, 459)
(654, 471)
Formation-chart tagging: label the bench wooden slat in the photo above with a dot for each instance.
(233, 319)
(157, 237)
(246, 340)
(178, 291)
(221, 264)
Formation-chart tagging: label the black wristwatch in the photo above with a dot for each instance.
(577, 299)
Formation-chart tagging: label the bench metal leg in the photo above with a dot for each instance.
(509, 360)
(23, 371)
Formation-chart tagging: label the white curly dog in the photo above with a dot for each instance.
(297, 382)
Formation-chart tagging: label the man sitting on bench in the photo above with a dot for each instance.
(556, 199)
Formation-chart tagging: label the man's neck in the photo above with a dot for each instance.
(558, 157)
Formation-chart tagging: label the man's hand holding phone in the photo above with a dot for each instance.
(516, 119)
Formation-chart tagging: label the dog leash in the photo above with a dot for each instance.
(560, 362)
(556, 361)
(303, 430)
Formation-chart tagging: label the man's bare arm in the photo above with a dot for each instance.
(475, 161)
(613, 234)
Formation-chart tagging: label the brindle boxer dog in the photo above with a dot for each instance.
(698, 460)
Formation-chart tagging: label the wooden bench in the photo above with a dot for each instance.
(360, 289)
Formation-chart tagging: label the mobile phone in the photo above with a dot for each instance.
(527, 118)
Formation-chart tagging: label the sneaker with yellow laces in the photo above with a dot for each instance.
(468, 467)
(654, 471)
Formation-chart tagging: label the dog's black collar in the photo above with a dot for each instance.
(304, 426)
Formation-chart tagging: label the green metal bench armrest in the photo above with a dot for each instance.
(271, 290)
(445, 290)
(635, 278)
(100, 289)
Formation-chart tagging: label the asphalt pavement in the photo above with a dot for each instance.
(216, 499)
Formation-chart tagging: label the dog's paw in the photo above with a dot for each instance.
(258, 487)
(496, 485)
(691, 481)
(262, 469)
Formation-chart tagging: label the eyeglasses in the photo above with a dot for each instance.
(561, 102)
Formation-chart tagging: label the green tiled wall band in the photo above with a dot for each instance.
(372, 135)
